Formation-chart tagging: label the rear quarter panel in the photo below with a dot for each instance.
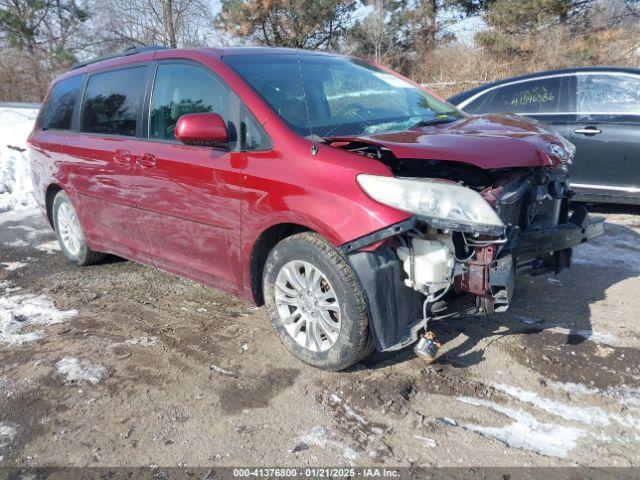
(45, 152)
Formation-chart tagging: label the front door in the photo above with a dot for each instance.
(606, 132)
(189, 196)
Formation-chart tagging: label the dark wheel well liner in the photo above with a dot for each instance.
(263, 245)
(52, 191)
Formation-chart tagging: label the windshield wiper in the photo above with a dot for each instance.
(446, 117)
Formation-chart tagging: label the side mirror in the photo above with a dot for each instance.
(207, 129)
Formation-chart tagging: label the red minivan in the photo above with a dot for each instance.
(352, 202)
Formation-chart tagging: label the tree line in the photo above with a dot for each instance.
(420, 38)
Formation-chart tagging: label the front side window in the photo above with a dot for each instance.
(602, 93)
(532, 96)
(328, 96)
(180, 89)
(113, 100)
(57, 112)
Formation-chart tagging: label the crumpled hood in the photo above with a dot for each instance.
(487, 141)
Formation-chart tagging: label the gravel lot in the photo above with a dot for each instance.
(121, 365)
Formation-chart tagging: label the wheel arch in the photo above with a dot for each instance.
(50, 194)
(265, 242)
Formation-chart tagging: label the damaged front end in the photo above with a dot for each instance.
(471, 233)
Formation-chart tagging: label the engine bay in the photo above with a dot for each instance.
(462, 271)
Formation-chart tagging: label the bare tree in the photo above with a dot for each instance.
(120, 24)
(169, 29)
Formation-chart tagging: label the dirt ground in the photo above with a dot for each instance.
(121, 365)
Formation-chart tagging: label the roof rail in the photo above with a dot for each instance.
(124, 53)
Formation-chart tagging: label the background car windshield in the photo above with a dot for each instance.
(343, 96)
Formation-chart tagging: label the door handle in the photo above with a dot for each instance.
(146, 160)
(588, 130)
(122, 157)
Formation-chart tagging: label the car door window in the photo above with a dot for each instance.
(253, 136)
(58, 110)
(481, 104)
(112, 101)
(529, 97)
(180, 89)
(606, 93)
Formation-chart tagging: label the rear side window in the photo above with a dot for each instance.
(57, 112)
(600, 93)
(180, 89)
(533, 96)
(113, 100)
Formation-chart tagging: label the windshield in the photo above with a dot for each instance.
(344, 96)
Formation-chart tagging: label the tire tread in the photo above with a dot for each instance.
(365, 347)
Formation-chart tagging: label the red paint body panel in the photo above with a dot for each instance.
(190, 208)
(198, 211)
(490, 141)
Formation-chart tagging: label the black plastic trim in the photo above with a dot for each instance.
(537, 243)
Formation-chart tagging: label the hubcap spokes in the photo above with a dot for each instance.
(69, 226)
(307, 305)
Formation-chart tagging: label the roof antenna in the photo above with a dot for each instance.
(314, 147)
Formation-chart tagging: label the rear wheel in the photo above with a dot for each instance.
(316, 303)
(69, 232)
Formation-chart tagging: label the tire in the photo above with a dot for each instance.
(342, 303)
(69, 233)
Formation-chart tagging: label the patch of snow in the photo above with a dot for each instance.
(587, 415)
(598, 337)
(350, 454)
(591, 416)
(20, 311)
(16, 189)
(18, 216)
(447, 421)
(17, 243)
(554, 281)
(7, 287)
(49, 247)
(615, 251)
(566, 329)
(7, 434)
(334, 398)
(319, 436)
(11, 266)
(350, 412)
(142, 341)
(222, 371)
(77, 370)
(573, 388)
(627, 396)
(526, 432)
(429, 442)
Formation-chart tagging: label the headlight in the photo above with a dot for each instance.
(441, 204)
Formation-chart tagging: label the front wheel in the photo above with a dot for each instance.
(316, 303)
(69, 232)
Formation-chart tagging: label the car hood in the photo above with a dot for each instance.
(488, 141)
